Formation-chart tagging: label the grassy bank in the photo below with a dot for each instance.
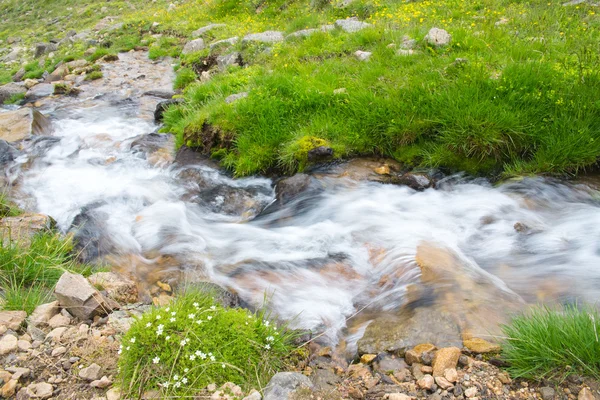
(516, 91)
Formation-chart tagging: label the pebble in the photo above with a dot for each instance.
(451, 375)
(426, 382)
(471, 392)
(59, 351)
(547, 393)
(585, 394)
(9, 388)
(101, 383)
(8, 344)
(91, 373)
(443, 383)
(23, 345)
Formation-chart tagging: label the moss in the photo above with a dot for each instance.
(91, 76)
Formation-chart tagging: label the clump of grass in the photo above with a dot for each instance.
(180, 349)
(7, 208)
(92, 76)
(63, 88)
(184, 77)
(98, 54)
(15, 98)
(552, 343)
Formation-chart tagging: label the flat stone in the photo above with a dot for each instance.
(42, 314)
(23, 345)
(39, 91)
(19, 124)
(445, 358)
(235, 97)
(59, 351)
(77, 295)
(12, 319)
(303, 33)
(438, 37)
(193, 46)
(19, 372)
(41, 390)
(59, 320)
(351, 24)
(91, 373)
(8, 344)
(199, 32)
(264, 37)
(56, 334)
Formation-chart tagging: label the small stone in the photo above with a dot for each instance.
(19, 373)
(586, 394)
(362, 55)
(398, 396)
(504, 377)
(113, 394)
(12, 319)
(59, 320)
(547, 393)
(427, 357)
(413, 357)
(471, 392)
(477, 345)
(427, 369)
(41, 390)
(23, 345)
(59, 351)
(101, 383)
(56, 334)
(438, 37)
(91, 373)
(443, 383)
(445, 358)
(9, 388)
(451, 375)
(8, 344)
(426, 382)
(253, 395)
(367, 358)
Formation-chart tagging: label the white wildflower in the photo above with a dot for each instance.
(172, 319)
(223, 365)
(183, 343)
(158, 317)
(268, 346)
(186, 370)
(213, 359)
(196, 305)
(173, 313)
(184, 381)
(149, 324)
(155, 360)
(176, 378)
(209, 317)
(266, 323)
(191, 316)
(192, 357)
(168, 309)
(128, 347)
(177, 384)
(132, 340)
(168, 337)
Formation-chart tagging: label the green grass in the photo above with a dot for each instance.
(554, 343)
(92, 76)
(180, 349)
(7, 208)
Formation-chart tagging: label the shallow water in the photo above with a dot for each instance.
(326, 255)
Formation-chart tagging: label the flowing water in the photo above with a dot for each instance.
(320, 258)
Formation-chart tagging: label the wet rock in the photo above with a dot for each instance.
(547, 393)
(91, 373)
(414, 355)
(416, 181)
(8, 344)
(41, 390)
(201, 31)
(351, 24)
(9, 90)
(388, 363)
(228, 60)
(284, 384)
(235, 97)
(264, 37)
(162, 106)
(224, 42)
(12, 319)
(438, 37)
(289, 188)
(76, 294)
(87, 226)
(400, 332)
(479, 346)
(303, 33)
(7, 153)
(444, 359)
(320, 153)
(160, 93)
(39, 91)
(22, 228)
(193, 46)
(362, 55)
(19, 124)
(118, 287)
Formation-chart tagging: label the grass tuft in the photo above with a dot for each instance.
(551, 343)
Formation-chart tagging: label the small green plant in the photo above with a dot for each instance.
(184, 77)
(180, 349)
(15, 98)
(7, 208)
(548, 343)
(63, 88)
(92, 76)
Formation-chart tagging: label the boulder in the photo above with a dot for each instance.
(284, 384)
(416, 181)
(444, 359)
(438, 37)
(58, 74)
(77, 295)
(7, 153)
(44, 48)
(12, 319)
(404, 330)
(227, 60)
(18, 76)
(18, 124)
(193, 46)
(39, 91)
(264, 37)
(118, 287)
(289, 188)
(320, 153)
(224, 43)
(351, 24)
(9, 90)
(201, 31)
(22, 228)
(362, 55)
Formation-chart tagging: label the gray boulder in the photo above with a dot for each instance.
(438, 37)
(351, 24)
(264, 37)
(79, 297)
(303, 33)
(284, 384)
(39, 91)
(9, 90)
(224, 43)
(7, 153)
(193, 46)
(235, 97)
(44, 48)
(203, 30)
(229, 59)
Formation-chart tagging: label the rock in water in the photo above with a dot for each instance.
(19, 124)
(78, 296)
(284, 384)
(162, 107)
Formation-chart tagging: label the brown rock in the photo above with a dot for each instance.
(8, 344)
(20, 230)
(78, 296)
(41, 390)
(451, 375)
(443, 383)
(19, 124)
(586, 394)
(415, 354)
(477, 345)
(9, 389)
(59, 320)
(12, 319)
(367, 358)
(426, 382)
(91, 373)
(445, 358)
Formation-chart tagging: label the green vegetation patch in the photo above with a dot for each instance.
(92, 76)
(554, 343)
(180, 349)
